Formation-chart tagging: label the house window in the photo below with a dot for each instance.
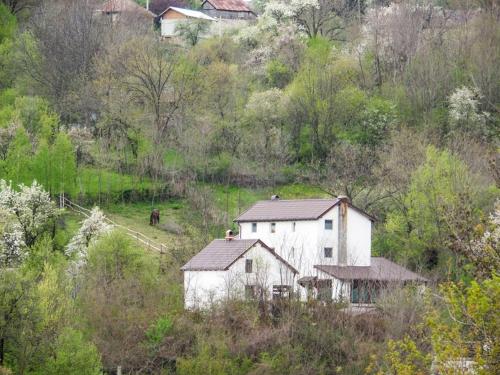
(273, 227)
(250, 291)
(254, 227)
(248, 266)
(328, 224)
(293, 226)
(328, 252)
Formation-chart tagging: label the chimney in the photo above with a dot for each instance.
(229, 235)
(342, 244)
(275, 197)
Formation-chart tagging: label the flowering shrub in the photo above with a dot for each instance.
(92, 227)
(12, 246)
(31, 206)
(464, 110)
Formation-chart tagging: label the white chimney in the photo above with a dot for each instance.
(229, 235)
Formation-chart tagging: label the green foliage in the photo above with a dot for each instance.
(469, 326)
(8, 23)
(18, 164)
(157, 331)
(278, 74)
(441, 190)
(63, 162)
(73, 355)
(213, 359)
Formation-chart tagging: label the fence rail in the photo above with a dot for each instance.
(138, 236)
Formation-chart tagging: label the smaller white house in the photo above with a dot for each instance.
(233, 268)
(171, 17)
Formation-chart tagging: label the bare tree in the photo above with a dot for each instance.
(58, 52)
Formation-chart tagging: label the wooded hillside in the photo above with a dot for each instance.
(392, 104)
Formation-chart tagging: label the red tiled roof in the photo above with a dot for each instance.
(289, 210)
(381, 269)
(220, 254)
(230, 5)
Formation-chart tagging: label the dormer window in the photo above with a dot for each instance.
(254, 227)
(328, 224)
(273, 227)
(328, 252)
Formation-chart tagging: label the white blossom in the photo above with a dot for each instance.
(464, 106)
(92, 227)
(31, 206)
(12, 246)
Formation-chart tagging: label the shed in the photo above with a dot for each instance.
(228, 9)
(171, 17)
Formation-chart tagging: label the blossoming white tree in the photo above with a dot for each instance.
(464, 110)
(31, 206)
(92, 227)
(12, 246)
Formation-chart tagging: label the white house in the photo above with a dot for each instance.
(327, 240)
(171, 17)
(235, 268)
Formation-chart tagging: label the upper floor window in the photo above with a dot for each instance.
(273, 227)
(293, 226)
(328, 252)
(248, 266)
(328, 224)
(254, 227)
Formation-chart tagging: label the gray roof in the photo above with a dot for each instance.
(381, 269)
(220, 254)
(290, 210)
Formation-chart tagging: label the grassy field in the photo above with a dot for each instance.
(180, 228)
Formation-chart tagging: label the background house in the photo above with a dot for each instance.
(173, 16)
(228, 9)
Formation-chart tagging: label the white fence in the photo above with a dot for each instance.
(138, 236)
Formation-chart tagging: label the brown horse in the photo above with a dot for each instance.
(155, 217)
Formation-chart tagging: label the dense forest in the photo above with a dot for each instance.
(392, 104)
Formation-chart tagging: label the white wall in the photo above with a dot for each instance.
(304, 248)
(203, 288)
(359, 233)
(168, 26)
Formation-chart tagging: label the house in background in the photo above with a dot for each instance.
(126, 10)
(328, 242)
(236, 268)
(171, 17)
(228, 9)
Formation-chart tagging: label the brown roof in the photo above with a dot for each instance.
(288, 210)
(381, 269)
(220, 254)
(118, 6)
(229, 5)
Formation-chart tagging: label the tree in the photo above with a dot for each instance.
(90, 231)
(73, 355)
(63, 162)
(17, 6)
(32, 208)
(438, 202)
(18, 162)
(465, 114)
(192, 31)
